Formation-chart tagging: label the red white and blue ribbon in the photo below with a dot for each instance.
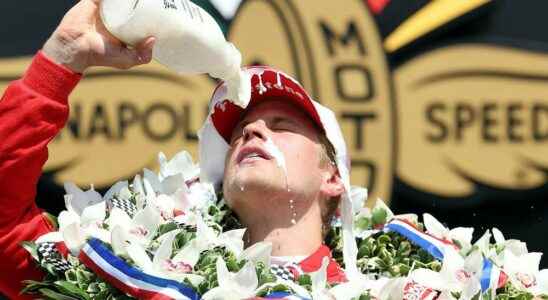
(98, 257)
(283, 296)
(492, 277)
(429, 243)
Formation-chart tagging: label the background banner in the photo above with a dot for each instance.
(444, 104)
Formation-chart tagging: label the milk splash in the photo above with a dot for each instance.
(277, 154)
(262, 88)
(188, 40)
(279, 157)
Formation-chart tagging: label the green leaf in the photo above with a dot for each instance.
(379, 216)
(363, 223)
(50, 294)
(31, 249)
(71, 289)
(32, 286)
(52, 220)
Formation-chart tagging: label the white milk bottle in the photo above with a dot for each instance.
(188, 39)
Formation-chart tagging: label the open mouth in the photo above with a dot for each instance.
(251, 154)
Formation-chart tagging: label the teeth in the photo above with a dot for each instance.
(253, 155)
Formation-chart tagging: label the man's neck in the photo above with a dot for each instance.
(288, 238)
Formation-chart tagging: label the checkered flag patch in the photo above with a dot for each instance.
(185, 227)
(123, 204)
(48, 253)
(282, 272)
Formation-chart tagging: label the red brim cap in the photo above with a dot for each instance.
(266, 84)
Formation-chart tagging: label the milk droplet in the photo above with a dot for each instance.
(278, 80)
(262, 88)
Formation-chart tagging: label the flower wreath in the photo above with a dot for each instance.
(170, 236)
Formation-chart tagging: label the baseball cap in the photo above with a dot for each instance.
(266, 84)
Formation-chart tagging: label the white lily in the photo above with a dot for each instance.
(258, 252)
(83, 219)
(462, 235)
(393, 289)
(523, 272)
(181, 163)
(162, 265)
(517, 247)
(139, 190)
(165, 204)
(456, 275)
(201, 195)
(207, 237)
(116, 189)
(356, 286)
(139, 229)
(79, 199)
(198, 196)
(240, 285)
(188, 218)
(483, 244)
(154, 184)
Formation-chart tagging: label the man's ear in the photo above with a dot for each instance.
(332, 185)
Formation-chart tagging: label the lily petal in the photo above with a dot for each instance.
(190, 254)
(118, 217)
(258, 252)
(74, 238)
(94, 213)
(223, 275)
(166, 248)
(434, 227)
(140, 257)
(115, 189)
(120, 240)
(246, 279)
(67, 217)
(52, 237)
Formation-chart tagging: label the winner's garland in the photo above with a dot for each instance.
(168, 236)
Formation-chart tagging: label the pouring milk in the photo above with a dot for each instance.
(188, 39)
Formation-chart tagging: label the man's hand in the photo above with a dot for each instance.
(81, 41)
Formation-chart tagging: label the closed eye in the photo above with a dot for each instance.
(283, 124)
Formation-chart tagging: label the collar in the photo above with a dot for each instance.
(312, 263)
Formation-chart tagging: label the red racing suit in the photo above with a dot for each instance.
(33, 110)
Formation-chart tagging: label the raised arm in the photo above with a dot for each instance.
(33, 110)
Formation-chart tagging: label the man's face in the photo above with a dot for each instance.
(251, 169)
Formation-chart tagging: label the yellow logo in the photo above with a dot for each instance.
(441, 122)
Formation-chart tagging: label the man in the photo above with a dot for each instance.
(282, 176)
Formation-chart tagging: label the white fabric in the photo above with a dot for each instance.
(284, 260)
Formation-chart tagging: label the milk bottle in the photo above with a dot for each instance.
(188, 39)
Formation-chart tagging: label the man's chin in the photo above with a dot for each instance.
(255, 182)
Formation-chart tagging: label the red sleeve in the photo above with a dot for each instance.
(32, 111)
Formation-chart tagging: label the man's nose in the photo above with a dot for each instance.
(255, 129)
